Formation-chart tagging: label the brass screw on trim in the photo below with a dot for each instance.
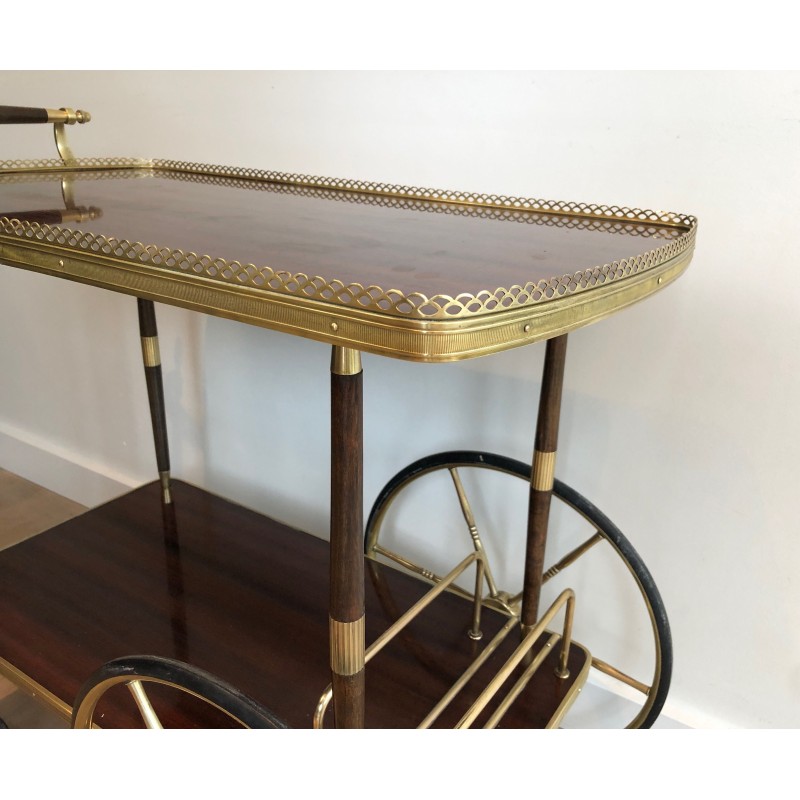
(527, 328)
(334, 326)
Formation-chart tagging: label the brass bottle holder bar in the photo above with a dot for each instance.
(565, 599)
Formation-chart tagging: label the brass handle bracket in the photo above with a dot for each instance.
(61, 118)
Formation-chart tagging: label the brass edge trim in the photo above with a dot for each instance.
(555, 207)
(630, 227)
(567, 208)
(387, 301)
(431, 341)
(44, 167)
(34, 689)
(345, 361)
(544, 470)
(151, 354)
(347, 646)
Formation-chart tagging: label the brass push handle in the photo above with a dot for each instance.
(17, 115)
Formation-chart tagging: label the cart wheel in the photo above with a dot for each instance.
(135, 671)
(574, 559)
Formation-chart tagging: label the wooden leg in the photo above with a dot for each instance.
(347, 540)
(155, 390)
(175, 584)
(544, 457)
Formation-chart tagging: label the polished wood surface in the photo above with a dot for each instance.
(253, 600)
(433, 248)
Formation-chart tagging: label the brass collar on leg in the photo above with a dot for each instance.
(544, 470)
(166, 493)
(347, 646)
(345, 361)
(150, 351)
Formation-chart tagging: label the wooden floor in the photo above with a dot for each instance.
(25, 510)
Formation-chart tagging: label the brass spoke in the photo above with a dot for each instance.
(469, 518)
(146, 709)
(620, 676)
(404, 562)
(433, 577)
(573, 556)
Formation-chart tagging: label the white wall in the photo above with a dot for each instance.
(680, 414)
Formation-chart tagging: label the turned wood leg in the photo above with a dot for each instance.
(544, 459)
(155, 390)
(347, 540)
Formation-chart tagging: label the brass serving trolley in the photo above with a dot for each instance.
(173, 588)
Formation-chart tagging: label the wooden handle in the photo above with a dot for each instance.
(55, 216)
(15, 115)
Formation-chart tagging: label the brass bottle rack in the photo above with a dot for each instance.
(523, 652)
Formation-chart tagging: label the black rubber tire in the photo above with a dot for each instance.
(184, 677)
(567, 495)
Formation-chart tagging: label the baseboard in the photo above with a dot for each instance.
(60, 470)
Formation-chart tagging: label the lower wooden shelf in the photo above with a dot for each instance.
(241, 596)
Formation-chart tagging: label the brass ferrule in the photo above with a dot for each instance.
(347, 646)
(81, 214)
(166, 494)
(68, 116)
(544, 470)
(345, 361)
(151, 354)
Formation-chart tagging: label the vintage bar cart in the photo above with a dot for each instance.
(247, 619)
